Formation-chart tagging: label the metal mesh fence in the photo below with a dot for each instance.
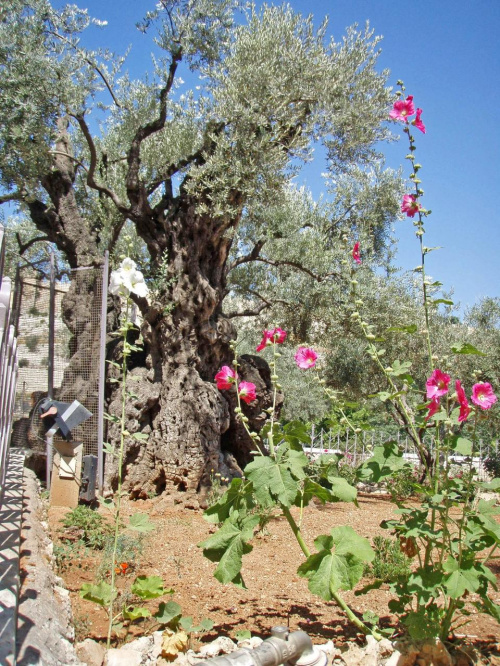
(75, 358)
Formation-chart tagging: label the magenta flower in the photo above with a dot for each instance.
(437, 384)
(402, 109)
(410, 205)
(355, 253)
(418, 122)
(246, 391)
(483, 396)
(276, 335)
(305, 357)
(279, 336)
(225, 378)
(433, 407)
(462, 401)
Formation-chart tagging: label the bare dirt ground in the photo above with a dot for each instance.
(276, 595)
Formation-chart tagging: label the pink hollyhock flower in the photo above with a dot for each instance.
(225, 378)
(402, 109)
(462, 401)
(305, 357)
(276, 335)
(433, 407)
(483, 396)
(355, 253)
(437, 384)
(246, 391)
(418, 122)
(410, 205)
(279, 336)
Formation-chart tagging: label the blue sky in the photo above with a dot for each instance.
(447, 52)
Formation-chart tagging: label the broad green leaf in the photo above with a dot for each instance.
(342, 490)
(228, 545)
(139, 522)
(100, 594)
(136, 612)
(272, 482)
(312, 489)
(423, 624)
(347, 540)
(243, 635)
(385, 460)
(494, 485)
(462, 578)
(205, 625)
(168, 612)
(295, 461)
(296, 434)
(186, 623)
(148, 587)
(238, 495)
(465, 348)
(461, 445)
(329, 571)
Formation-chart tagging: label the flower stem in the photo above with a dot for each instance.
(335, 595)
(125, 355)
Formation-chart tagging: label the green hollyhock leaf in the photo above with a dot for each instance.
(296, 434)
(148, 587)
(465, 348)
(312, 489)
(136, 612)
(186, 623)
(462, 578)
(329, 571)
(342, 490)
(385, 460)
(272, 482)
(100, 594)
(139, 522)
(489, 607)
(228, 545)
(461, 445)
(237, 496)
(412, 328)
(422, 625)
(167, 612)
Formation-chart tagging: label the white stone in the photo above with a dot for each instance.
(327, 648)
(123, 657)
(90, 652)
(223, 644)
(251, 643)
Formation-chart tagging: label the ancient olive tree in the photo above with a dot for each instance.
(193, 169)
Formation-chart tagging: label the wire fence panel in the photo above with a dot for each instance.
(74, 360)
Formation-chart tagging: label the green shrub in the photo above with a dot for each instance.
(93, 529)
(402, 484)
(389, 562)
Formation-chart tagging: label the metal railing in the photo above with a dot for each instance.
(356, 448)
(8, 367)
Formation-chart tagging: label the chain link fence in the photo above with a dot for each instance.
(59, 325)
